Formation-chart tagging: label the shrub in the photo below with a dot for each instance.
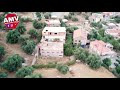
(47, 15)
(86, 17)
(71, 62)
(34, 76)
(25, 71)
(71, 29)
(69, 16)
(25, 19)
(49, 65)
(38, 14)
(39, 66)
(29, 46)
(23, 39)
(33, 33)
(74, 19)
(63, 68)
(63, 24)
(13, 36)
(21, 29)
(68, 49)
(3, 75)
(117, 69)
(118, 61)
(12, 63)
(2, 52)
(72, 13)
(117, 19)
(66, 17)
(39, 38)
(107, 62)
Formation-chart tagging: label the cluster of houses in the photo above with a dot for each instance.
(54, 36)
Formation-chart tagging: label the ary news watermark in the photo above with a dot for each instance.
(11, 21)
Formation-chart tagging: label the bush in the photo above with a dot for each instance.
(69, 16)
(71, 62)
(66, 17)
(23, 39)
(49, 65)
(13, 63)
(39, 38)
(25, 20)
(38, 25)
(25, 71)
(72, 13)
(38, 14)
(47, 15)
(34, 76)
(117, 19)
(117, 69)
(63, 68)
(3, 75)
(71, 29)
(21, 29)
(86, 17)
(39, 66)
(68, 49)
(33, 33)
(98, 25)
(107, 62)
(74, 19)
(13, 37)
(29, 46)
(2, 52)
(118, 61)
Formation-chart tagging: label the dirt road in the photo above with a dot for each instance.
(79, 70)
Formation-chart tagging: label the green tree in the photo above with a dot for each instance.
(12, 37)
(21, 29)
(72, 13)
(12, 63)
(107, 62)
(117, 69)
(74, 19)
(33, 33)
(94, 61)
(63, 69)
(68, 50)
(38, 25)
(39, 15)
(24, 71)
(29, 46)
(101, 32)
(115, 44)
(2, 52)
(117, 19)
(34, 76)
(47, 15)
(3, 75)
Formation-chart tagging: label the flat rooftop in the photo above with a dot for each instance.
(54, 29)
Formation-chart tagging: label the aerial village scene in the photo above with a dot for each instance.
(60, 45)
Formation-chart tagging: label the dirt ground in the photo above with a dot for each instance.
(26, 14)
(79, 71)
(14, 49)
